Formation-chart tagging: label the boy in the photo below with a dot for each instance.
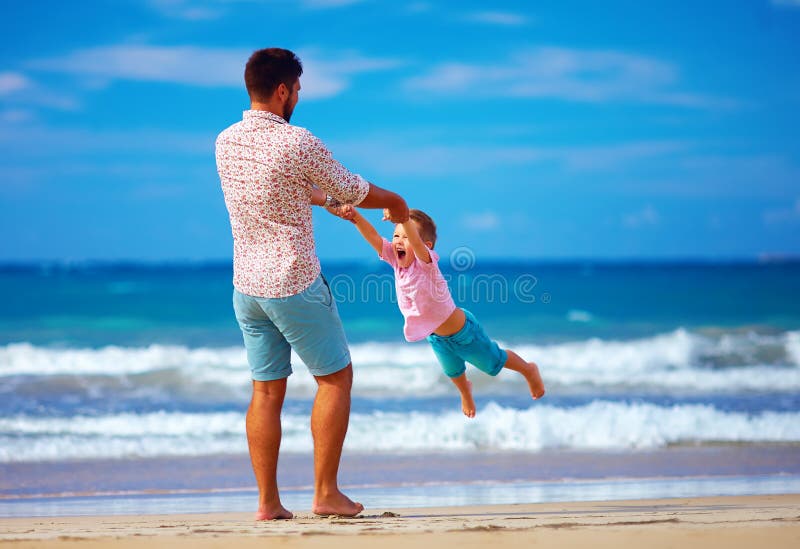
(429, 310)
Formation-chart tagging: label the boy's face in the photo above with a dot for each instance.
(402, 251)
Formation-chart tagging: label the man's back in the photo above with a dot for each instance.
(267, 167)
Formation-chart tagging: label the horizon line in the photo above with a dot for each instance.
(66, 263)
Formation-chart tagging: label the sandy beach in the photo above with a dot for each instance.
(729, 522)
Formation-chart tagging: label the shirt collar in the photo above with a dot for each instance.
(263, 114)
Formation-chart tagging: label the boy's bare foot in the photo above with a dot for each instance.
(534, 379)
(336, 504)
(467, 402)
(273, 514)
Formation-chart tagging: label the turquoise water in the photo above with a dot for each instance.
(98, 305)
(140, 362)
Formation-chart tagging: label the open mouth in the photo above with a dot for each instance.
(401, 254)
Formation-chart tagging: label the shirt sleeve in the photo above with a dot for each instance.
(434, 264)
(319, 166)
(387, 253)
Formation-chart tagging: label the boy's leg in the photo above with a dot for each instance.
(529, 370)
(478, 349)
(464, 387)
(455, 368)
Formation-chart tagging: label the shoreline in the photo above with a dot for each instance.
(232, 472)
(207, 484)
(715, 522)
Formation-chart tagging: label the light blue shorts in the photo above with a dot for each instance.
(307, 322)
(469, 344)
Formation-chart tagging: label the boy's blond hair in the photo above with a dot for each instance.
(427, 228)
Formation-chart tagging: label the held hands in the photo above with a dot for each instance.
(397, 214)
(345, 211)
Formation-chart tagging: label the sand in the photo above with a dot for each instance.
(719, 522)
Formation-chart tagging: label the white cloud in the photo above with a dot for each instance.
(605, 157)
(178, 64)
(48, 142)
(569, 74)
(647, 216)
(199, 66)
(393, 155)
(326, 75)
(782, 216)
(765, 175)
(325, 4)
(13, 82)
(497, 18)
(787, 3)
(15, 116)
(483, 221)
(204, 10)
(190, 10)
(419, 7)
(18, 89)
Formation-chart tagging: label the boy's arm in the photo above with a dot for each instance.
(368, 231)
(416, 243)
(347, 211)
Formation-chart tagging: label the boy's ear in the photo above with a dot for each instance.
(429, 244)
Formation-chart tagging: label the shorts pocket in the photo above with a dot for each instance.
(466, 335)
(319, 292)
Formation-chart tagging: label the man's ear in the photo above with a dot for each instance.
(282, 91)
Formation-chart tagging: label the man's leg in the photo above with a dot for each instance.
(264, 440)
(329, 419)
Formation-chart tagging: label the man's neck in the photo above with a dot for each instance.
(272, 107)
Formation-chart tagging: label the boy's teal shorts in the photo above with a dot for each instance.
(307, 322)
(469, 344)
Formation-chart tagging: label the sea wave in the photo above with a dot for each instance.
(597, 425)
(734, 362)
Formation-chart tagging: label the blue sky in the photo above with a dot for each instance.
(543, 130)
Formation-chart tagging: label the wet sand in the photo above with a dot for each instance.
(719, 522)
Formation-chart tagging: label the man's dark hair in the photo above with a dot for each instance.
(267, 69)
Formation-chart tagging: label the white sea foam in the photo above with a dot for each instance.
(598, 425)
(675, 361)
(793, 346)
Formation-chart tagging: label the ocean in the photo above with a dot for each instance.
(678, 375)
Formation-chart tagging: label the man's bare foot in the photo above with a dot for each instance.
(273, 514)
(467, 402)
(336, 504)
(534, 379)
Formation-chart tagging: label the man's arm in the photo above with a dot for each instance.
(378, 198)
(318, 196)
(319, 166)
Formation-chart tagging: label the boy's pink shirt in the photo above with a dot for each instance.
(422, 294)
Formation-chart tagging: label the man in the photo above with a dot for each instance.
(271, 173)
